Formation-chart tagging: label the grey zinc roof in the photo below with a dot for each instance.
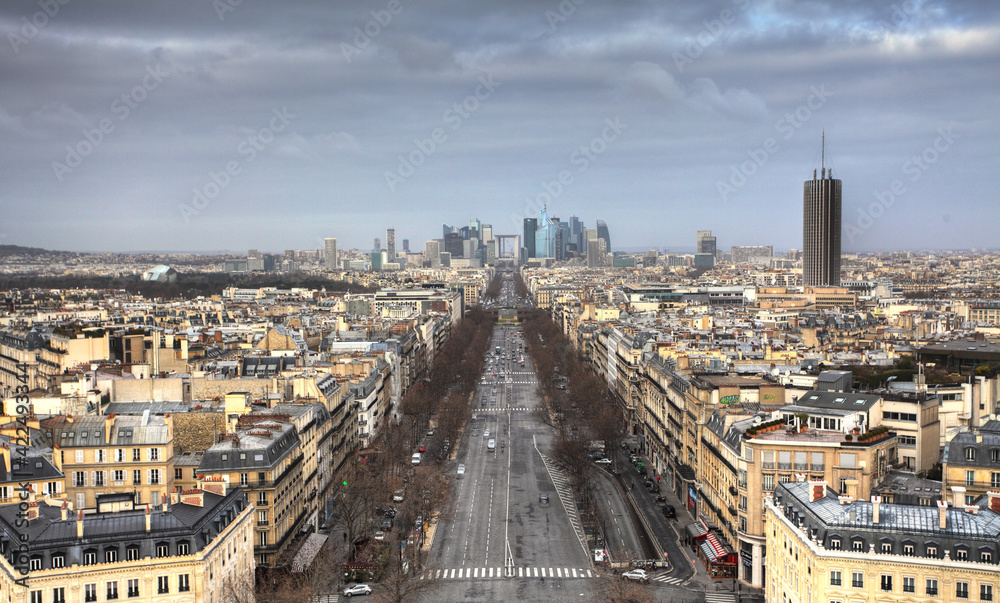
(900, 519)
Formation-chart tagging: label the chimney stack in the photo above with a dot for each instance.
(942, 506)
(817, 490)
(876, 503)
(958, 496)
(994, 498)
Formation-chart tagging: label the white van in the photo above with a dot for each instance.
(415, 459)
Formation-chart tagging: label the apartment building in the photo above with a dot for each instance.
(195, 548)
(830, 547)
(107, 454)
(265, 459)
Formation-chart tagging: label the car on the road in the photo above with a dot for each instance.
(357, 589)
(604, 461)
(637, 574)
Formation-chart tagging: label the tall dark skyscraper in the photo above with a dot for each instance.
(530, 226)
(821, 230)
(602, 233)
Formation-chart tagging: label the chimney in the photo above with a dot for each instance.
(958, 496)
(942, 506)
(148, 520)
(64, 511)
(994, 498)
(79, 524)
(817, 490)
(876, 503)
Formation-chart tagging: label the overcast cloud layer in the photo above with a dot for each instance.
(298, 120)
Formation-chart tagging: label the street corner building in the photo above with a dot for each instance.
(196, 547)
(835, 548)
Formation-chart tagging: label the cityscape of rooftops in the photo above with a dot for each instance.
(512, 300)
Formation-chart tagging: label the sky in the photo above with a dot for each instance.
(210, 125)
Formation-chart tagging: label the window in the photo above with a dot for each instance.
(133, 587)
(985, 592)
(961, 554)
(111, 555)
(112, 590)
(244, 479)
(132, 553)
(136, 455)
(858, 544)
(154, 454)
(58, 561)
(137, 477)
(90, 592)
(961, 590)
(163, 584)
(932, 587)
(970, 453)
(89, 558)
(183, 583)
(858, 579)
(835, 578)
(163, 550)
(887, 583)
(835, 544)
(909, 584)
(59, 595)
(886, 548)
(970, 478)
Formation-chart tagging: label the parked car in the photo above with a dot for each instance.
(357, 589)
(637, 574)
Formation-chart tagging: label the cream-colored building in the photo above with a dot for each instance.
(830, 548)
(193, 549)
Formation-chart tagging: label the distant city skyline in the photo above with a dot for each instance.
(176, 127)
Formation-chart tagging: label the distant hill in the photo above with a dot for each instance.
(18, 250)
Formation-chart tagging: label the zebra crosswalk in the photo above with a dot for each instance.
(665, 578)
(719, 597)
(480, 573)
